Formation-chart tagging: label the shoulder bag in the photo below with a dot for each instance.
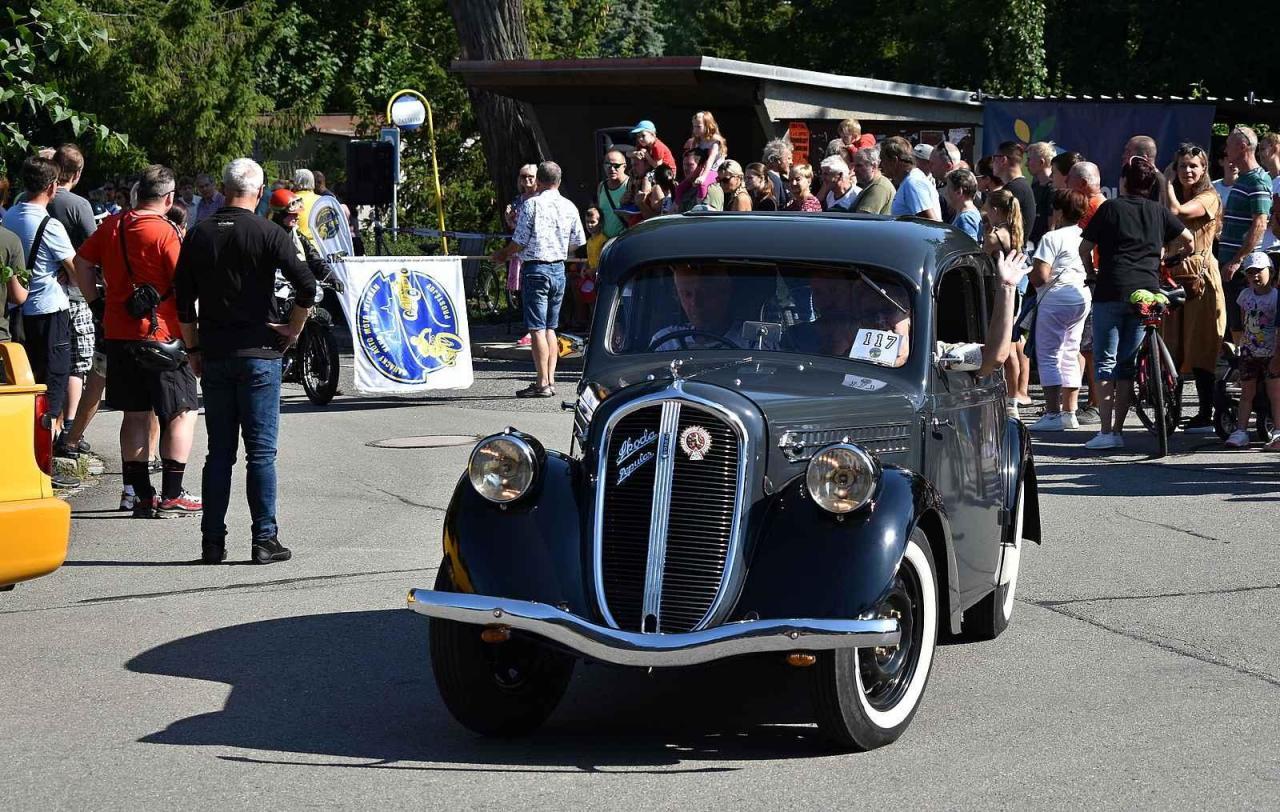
(17, 331)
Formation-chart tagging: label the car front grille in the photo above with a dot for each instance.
(670, 494)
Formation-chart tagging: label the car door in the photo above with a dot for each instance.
(964, 435)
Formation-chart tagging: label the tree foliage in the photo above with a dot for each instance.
(35, 44)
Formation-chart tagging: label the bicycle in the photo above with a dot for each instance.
(1157, 388)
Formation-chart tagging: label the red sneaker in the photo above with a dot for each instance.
(184, 504)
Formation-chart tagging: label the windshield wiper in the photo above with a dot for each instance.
(677, 363)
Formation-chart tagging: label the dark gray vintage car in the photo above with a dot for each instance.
(778, 448)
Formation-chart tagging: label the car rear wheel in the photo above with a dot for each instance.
(866, 698)
(495, 689)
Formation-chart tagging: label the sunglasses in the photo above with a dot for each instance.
(1190, 149)
(612, 165)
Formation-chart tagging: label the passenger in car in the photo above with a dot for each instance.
(706, 298)
(850, 308)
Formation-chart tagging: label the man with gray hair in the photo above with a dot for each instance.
(777, 157)
(877, 192)
(1244, 217)
(838, 191)
(547, 230)
(225, 290)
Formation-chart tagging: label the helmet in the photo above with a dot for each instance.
(284, 200)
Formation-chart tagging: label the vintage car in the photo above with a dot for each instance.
(778, 449)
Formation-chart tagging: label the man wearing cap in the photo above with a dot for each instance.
(924, 157)
(649, 148)
(944, 159)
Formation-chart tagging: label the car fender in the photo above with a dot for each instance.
(531, 549)
(809, 563)
(1019, 469)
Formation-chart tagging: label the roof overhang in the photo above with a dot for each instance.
(701, 80)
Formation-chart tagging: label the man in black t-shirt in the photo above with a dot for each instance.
(235, 342)
(1006, 163)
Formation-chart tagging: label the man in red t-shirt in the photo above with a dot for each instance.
(651, 150)
(140, 247)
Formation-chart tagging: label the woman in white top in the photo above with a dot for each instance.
(1062, 304)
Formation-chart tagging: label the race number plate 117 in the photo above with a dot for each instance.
(877, 346)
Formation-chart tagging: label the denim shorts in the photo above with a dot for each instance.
(1117, 335)
(542, 291)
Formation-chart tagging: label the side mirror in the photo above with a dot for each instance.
(961, 358)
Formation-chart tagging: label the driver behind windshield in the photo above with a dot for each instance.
(856, 319)
(706, 299)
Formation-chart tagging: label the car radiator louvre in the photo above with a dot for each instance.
(672, 561)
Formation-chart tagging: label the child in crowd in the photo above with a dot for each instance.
(705, 136)
(582, 278)
(1258, 314)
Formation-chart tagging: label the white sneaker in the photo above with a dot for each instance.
(1011, 409)
(1051, 421)
(1274, 443)
(1103, 440)
(1238, 439)
(1069, 420)
(128, 499)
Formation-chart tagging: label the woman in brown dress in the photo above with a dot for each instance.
(1194, 333)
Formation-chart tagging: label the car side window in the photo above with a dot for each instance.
(961, 306)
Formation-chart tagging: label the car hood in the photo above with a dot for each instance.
(798, 392)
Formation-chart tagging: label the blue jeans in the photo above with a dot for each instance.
(542, 292)
(241, 396)
(1117, 335)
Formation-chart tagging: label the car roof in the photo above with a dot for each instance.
(907, 244)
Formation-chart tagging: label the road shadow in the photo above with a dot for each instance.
(358, 685)
(1247, 477)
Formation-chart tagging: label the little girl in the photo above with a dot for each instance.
(705, 136)
(1257, 347)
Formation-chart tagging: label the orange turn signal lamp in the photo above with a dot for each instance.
(800, 659)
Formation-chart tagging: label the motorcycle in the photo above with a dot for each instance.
(314, 360)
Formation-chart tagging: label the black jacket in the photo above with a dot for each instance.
(225, 282)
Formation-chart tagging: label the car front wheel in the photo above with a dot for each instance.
(495, 689)
(865, 698)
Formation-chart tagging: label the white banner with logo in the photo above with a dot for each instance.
(408, 318)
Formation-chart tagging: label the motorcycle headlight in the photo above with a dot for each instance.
(502, 467)
(319, 294)
(842, 477)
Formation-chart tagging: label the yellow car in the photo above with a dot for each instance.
(35, 526)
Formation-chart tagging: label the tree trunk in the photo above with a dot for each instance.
(509, 132)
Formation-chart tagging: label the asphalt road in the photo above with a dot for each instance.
(1141, 670)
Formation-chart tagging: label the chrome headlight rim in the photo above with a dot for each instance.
(529, 455)
(864, 460)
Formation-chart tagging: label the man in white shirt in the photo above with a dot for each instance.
(916, 196)
(547, 229)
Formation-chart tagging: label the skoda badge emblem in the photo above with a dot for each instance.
(696, 442)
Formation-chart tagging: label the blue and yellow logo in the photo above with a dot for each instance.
(408, 325)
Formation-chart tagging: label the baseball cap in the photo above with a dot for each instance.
(643, 126)
(922, 152)
(1256, 259)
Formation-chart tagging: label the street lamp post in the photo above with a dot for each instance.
(408, 110)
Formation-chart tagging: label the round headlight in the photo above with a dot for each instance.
(842, 477)
(501, 468)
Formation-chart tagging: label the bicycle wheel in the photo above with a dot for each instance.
(1156, 392)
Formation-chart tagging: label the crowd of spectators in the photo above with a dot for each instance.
(1168, 225)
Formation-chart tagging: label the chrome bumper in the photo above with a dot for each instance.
(648, 650)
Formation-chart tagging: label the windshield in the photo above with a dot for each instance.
(846, 312)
